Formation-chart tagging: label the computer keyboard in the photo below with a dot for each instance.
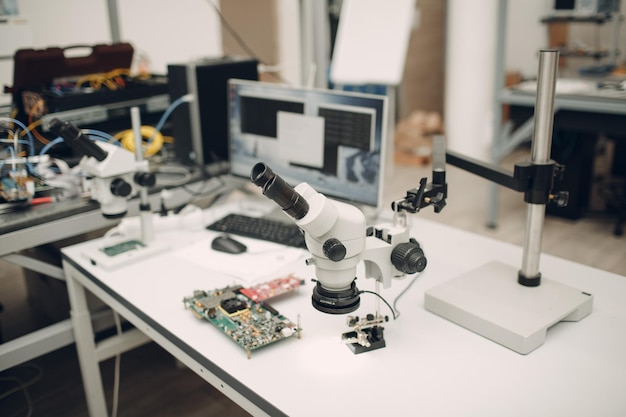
(260, 228)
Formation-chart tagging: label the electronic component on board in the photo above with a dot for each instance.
(273, 288)
(250, 323)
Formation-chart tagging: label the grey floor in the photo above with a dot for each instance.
(153, 384)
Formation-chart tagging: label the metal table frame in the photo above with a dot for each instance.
(41, 225)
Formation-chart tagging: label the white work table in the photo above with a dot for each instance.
(430, 366)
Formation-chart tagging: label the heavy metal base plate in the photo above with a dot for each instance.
(489, 301)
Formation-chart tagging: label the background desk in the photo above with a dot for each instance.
(588, 115)
(429, 367)
(27, 229)
(40, 225)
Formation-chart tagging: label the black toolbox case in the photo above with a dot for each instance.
(36, 71)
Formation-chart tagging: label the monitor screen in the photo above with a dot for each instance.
(333, 140)
(566, 5)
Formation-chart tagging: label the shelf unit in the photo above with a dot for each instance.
(506, 138)
(611, 53)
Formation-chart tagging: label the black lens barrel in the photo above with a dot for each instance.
(74, 138)
(276, 189)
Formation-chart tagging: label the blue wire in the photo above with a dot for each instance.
(30, 136)
(20, 141)
(28, 164)
(99, 135)
(9, 148)
(165, 116)
(49, 145)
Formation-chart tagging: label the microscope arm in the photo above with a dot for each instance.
(482, 169)
(536, 181)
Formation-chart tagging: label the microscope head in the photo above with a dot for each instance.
(334, 233)
(112, 169)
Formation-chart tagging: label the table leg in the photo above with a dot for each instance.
(85, 344)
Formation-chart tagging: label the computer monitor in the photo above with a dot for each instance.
(585, 8)
(333, 140)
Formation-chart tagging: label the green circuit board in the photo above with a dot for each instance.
(252, 325)
(123, 247)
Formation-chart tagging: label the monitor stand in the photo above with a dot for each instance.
(489, 301)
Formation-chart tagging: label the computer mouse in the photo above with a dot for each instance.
(225, 243)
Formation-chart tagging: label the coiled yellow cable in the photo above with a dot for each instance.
(127, 139)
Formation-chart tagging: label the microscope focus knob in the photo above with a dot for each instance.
(408, 257)
(334, 249)
(120, 188)
(145, 179)
(560, 199)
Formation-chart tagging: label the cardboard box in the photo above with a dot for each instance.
(413, 138)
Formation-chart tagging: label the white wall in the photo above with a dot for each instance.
(289, 40)
(471, 31)
(471, 61)
(66, 22)
(525, 35)
(170, 31)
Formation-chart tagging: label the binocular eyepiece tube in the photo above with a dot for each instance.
(276, 189)
(74, 138)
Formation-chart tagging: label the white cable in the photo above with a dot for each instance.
(23, 386)
(410, 284)
(173, 171)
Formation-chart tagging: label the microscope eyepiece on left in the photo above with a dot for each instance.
(74, 138)
(276, 189)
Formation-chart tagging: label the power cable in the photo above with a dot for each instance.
(241, 42)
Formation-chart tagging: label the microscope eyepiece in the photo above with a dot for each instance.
(74, 138)
(276, 189)
(261, 174)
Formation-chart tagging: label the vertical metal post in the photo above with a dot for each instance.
(314, 43)
(616, 20)
(439, 159)
(540, 154)
(114, 21)
(145, 213)
(499, 84)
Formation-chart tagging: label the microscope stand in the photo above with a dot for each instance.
(489, 301)
(514, 307)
